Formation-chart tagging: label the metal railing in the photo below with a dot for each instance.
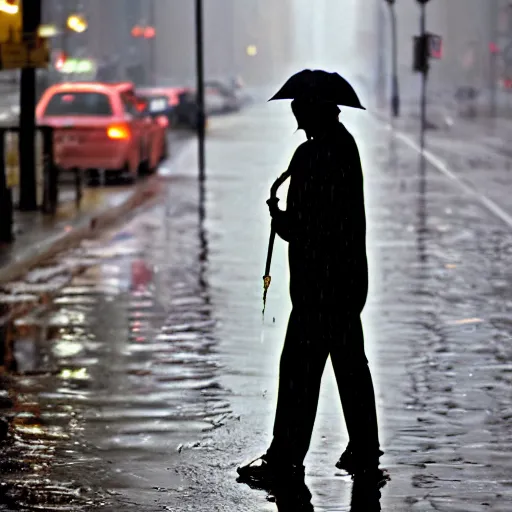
(50, 181)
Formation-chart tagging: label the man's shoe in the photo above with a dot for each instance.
(263, 471)
(346, 462)
(349, 462)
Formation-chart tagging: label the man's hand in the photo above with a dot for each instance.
(272, 206)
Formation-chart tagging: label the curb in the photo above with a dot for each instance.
(88, 229)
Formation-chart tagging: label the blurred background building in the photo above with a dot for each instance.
(263, 41)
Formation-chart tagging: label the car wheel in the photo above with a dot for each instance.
(165, 150)
(92, 177)
(144, 168)
(144, 163)
(123, 174)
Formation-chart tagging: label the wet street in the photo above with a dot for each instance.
(145, 374)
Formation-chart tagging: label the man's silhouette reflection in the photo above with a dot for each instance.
(295, 496)
(325, 226)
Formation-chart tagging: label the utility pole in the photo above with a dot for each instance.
(381, 40)
(152, 44)
(395, 95)
(31, 19)
(424, 68)
(493, 51)
(200, 89)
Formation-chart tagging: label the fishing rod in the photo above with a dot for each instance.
(267, 278)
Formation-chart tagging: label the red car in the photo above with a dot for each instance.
(102, 126)
(157, 125)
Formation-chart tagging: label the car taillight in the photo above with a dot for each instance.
(118, 132)
(163, 121)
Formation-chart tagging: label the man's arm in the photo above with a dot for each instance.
(281, 219)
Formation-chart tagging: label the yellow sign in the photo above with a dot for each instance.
(10, 21)
(12, 164)
(20, 55)
(13, 177)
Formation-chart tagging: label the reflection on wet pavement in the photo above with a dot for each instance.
(115, 360)
(143, 375)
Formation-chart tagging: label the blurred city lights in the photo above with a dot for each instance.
(77, 23)
(493, 48)
(149, 32)
(137, 31)
(48, 31)
(9, 6)
(252, 50)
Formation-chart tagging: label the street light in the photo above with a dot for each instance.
(395, 95)
(252, 50)
(425, 67)
(76, 23)
(9, 6)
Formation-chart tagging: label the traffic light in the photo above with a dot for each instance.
(137, 31)
(421, 53)
(149, 33)
(61, 60)
(435, 46)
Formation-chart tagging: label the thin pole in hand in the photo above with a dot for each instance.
(267, 278)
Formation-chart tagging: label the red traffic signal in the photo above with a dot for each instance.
(493, 48)
(149, 32)
(137, 31)
(435, 44)
(145, 32)
(61, 60)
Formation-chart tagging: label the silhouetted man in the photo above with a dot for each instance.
(325, 226)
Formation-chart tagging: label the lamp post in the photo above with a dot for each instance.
(200, 88)
(151, 61)
(31, 17)
(425, 68)
(395, 95)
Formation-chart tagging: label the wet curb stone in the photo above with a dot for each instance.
(108, 216)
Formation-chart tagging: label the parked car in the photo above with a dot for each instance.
(221, 98)
(156, 120)
(187, 112)
(172, 94)
(101, 126)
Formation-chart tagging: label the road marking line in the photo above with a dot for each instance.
(442, 167)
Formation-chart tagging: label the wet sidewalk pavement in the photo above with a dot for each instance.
(475, 152)
(33, 229)
(151, 376)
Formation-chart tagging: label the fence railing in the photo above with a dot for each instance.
(48, 171)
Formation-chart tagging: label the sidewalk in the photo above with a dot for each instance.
(35, 232)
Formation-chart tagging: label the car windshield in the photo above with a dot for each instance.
(79, 104)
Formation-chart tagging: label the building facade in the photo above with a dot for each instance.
(230, 27)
